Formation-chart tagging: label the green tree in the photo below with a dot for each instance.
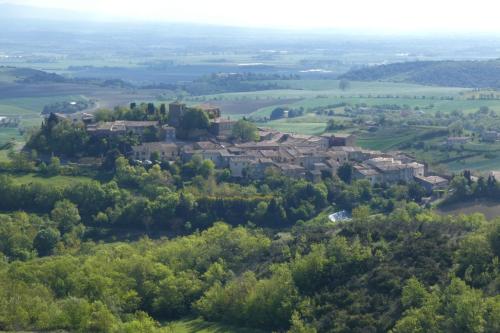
(414, 294)
(103, 115)
(344, 84)
(163, 110)
(277, 113)
(207, 168)
(194, 119)
(55, 166)
(46, 240)
(244, 130)
(298, 325)
(345, 172)
(66, 215)
(76, 313)
(155, 156)
(151, 109)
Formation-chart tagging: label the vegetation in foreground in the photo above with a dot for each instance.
(273, 265)
(408, 272)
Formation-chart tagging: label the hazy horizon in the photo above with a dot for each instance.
(388, 17)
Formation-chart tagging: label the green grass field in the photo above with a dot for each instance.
(201, 326)
(394, 138)
(480, 163)
(314, 93)
(390, 139)
(32, 105)
(29, 110)
(294, 127)
(55, 180)
(317, 93)
(467, 106)
(7, 134)
(307, 124)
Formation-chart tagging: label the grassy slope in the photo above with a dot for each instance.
(55, 180)
(201, 326)
(387, 139)
(314, 93)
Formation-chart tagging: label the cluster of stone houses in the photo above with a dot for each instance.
(490, 136)
(385, 169)
(294, 155)
(120, 127)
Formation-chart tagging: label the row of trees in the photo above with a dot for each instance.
(464, 187)
(279, 113)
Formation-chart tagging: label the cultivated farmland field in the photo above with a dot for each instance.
(306, 94)
(311, 94)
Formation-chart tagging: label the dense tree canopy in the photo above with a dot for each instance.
(245, 131)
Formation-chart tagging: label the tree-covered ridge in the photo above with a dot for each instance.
(470, 74)
(410, 271)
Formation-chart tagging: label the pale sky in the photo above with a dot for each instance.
(396, 16)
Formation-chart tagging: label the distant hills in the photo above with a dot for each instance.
(27, 75)
(24, 76)
(468, 74)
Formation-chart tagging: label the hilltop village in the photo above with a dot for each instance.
(294, 155)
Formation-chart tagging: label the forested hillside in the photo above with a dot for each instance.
(410, 271)
(470, 74)
(94, 256)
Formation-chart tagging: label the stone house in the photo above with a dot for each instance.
(432, 183)
(167, 151)
(221, 127)
(120, 127)
(346, 140)
(489, 136)
(239, 165)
